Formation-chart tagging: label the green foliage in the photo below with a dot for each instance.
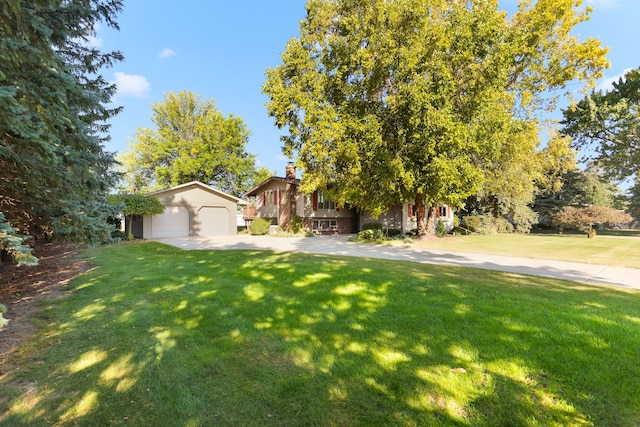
(12, 243)
(296, 225)
(585, 219)
(634, 199)
(487, 224)
(472, 222)
(260, 226)
(423, 100)
(441, 229)
(192, 141)
(578, 188)
(373, 234)
(372, 226)
(53, 112)
(609, 124)
(135, 204)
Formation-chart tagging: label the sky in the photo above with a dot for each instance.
(220, 50)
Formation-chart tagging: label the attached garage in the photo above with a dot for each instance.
(193, 210)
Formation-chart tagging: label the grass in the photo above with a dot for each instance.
(159, 336)
(604, 250)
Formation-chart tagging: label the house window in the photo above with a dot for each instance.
(442, 210)
(325, 224)
(270, 197)
(324, 202)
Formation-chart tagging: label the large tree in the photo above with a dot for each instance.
(606, 125)
(192, 141)
(54, 173)
(418, 99)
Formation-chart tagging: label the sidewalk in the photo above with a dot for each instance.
(339, 245)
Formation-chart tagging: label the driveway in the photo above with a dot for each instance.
(340, 245)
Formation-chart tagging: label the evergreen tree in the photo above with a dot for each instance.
(54, 172)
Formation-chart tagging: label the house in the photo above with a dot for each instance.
(193, 209)
(278, 199)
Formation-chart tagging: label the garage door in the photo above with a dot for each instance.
(173, 222)
(213, 221)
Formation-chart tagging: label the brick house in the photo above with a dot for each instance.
(279, 200)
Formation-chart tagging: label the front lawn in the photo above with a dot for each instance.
(605, 250)
(159, 336)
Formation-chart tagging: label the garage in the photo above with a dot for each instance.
(214, 221)
(173, 222)
(193, 209)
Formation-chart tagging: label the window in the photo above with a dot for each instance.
(442, 210)
(324, 202)
(325, 224)
(273, 197)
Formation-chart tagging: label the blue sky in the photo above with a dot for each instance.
(221, 49)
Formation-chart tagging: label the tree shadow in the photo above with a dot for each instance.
(267, 338)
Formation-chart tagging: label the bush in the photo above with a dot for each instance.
(371, 234)
(392, 232)
(487, 224)
(260, 226)
(472, 222)
(441, 229)
(372, 226)
(296, 225)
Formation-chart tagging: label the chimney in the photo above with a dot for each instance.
(290, 171)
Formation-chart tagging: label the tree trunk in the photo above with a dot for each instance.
(129, 232)
(425, 222)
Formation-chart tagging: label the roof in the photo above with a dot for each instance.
(255, 190)
(204, 187)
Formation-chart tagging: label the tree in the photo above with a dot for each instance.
(54, 173)
(518, 176)
(386, 102)
(634, 199)
(584, 219)
(13, 244)
(192, 141)
(135, 204)
(579, 188)
(608, 123)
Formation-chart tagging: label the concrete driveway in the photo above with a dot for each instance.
(340, 245)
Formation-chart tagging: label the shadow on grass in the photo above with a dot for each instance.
(158, 336)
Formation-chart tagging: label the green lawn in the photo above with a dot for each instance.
(605, 250)
(158, 336)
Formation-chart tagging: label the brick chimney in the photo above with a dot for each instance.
(290, 171)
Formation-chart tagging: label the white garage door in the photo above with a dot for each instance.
(173, 222)
(213, 221)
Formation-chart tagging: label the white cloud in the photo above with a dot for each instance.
(133, 85)
(606, 84)
(166, 53)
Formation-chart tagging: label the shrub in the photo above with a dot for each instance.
(392, 232)
(441, 229)
(260, 226)
(296, 225)
(372, 226)
(371, 234)
(472, 222)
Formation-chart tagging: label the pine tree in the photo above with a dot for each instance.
(54, 172)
